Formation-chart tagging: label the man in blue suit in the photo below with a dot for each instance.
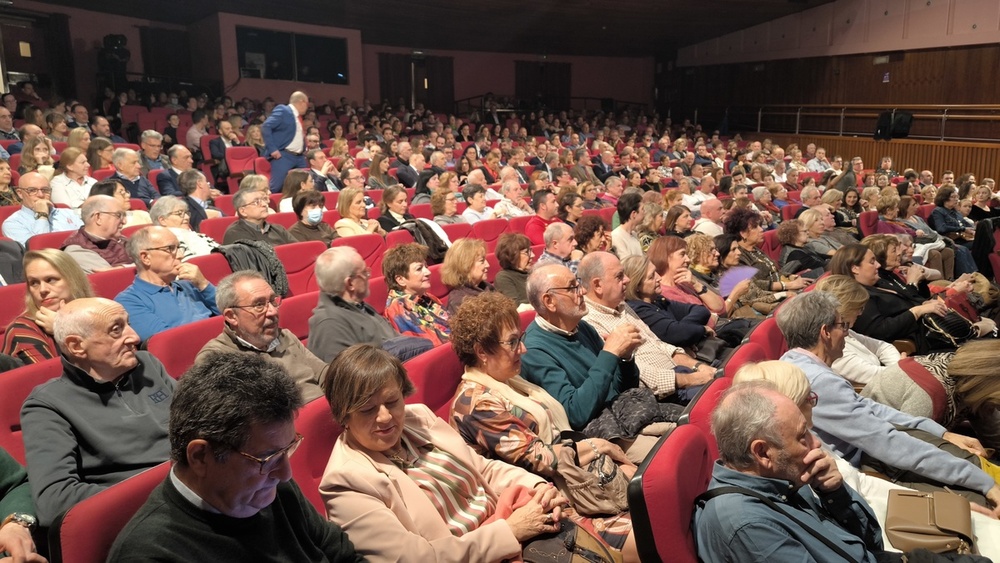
(180, 160)
(284, 138)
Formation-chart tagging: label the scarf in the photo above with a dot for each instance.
(532, 399)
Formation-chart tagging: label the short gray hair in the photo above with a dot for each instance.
(253, 182)
(592, 266)
(150, 134)
(225, 292)
(172, 151)
(744, 414)
(164, 206)
(74, 321)
(242, 197)
(802, 317)
(188, 180)
(808, 193)
(137, 243)
(539, 283)
(333, 267)
(119, 155)
(554, 231)
(94, 205)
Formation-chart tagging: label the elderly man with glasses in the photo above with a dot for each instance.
(37, 214)
(166, 292)
(250, 307)
(98, 245)
(251, 209)
(229, 495)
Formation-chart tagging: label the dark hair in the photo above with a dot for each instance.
(508, 249)
(293, 182)
(673, 214)
(480, 320)
(198, 115)
(567, 199)
(389, 194)
(740, 219)
(222, 396)
(305, 199)
(857, 202)
(105, 187)
(943, 195)
(724, 244)
(905, 202)
(471, 190)
(538, 198)
(356, 374)
(788, 231)
(586, 229)
(847, 257)
(421, 185)
(660, 250)
(628, 204)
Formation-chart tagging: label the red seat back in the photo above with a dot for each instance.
(397, 237)
(371, 247)
(457, 230)
(300, 264)
(295, 313)
(748, 352)
(8, 210)
(788, 212)
(214, 266)
(517, 224)
(48, 240)
(662, 492)
(771, 246)
(215, 228)
(422, 211)
(438, 288)
(330, 200)
(177, 347)
(526, 318)
(489, 231)
(925, 211)
(262, 166)
(17, 385)
(435, 375)
(225, 204)
(110, 283)
(320, 432)
(286, 219)
(87, 531)
(12, 296)
(769, 338)
(378, 293)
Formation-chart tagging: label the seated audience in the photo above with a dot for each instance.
(308, 207)
(296, 181)
(444, 207)
(74, 426)
(710, 222)
(37, 214)
(73, 185)
(378, 177)
(678, 283)
(342, 318)
(166, 293)
(464, 271)
(794, 236)
(427, 181)
(475, 199)
(394, 208)
(368, 494)
(354, 215)
(172, 212)
(410, 308)
(746, 224)
(151, 157)
(115, 189)
(681, 324)
(566, 356)
(52, 279)
(854, 426)
(251, 310)
(502, 416)
(128, 171)
(623, 239)
(8, 195)
(512, 204)
(15, 500)
(930, 248)
(99, 154)
(196, 192)
(591, 234)
(652, 224)
(759, 431)
(560, 247)
(513, 252)
(37, 157)
(251, 224)
(231, 435)
(676, 221)
(98, 245)
(947, 220)
(179, 161)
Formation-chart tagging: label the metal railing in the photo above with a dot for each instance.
(577, 103)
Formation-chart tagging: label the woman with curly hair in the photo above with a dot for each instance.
(744, 224)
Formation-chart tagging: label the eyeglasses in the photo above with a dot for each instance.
(120, 215)
(258, 202)
(36, 191)
(169, 249)
(576, 288)
(812, 399)
(366, 273)
(260, 305)
(846, 326)
(515, 343)
(271, 462)
(181, 213)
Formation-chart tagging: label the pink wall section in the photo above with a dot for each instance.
(280, 89)
(627, 79)
(847, 27)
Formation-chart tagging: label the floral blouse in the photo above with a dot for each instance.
(422, 316)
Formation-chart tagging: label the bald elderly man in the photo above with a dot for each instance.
(104, 419)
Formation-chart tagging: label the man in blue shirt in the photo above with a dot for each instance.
(166, 293)
(766, 448)
(37, 214)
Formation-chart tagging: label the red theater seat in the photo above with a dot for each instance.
(17, 385)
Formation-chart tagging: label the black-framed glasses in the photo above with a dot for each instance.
(169, 249)
(271, 462)
(515, 343)
(259, 202)
(812, 399)
(181, 213)
(846, 326)
(260, 305)
(120, 215)
(36, 191)
(576, 288)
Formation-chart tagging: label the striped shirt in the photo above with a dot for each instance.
(452, 487)
(27, 342)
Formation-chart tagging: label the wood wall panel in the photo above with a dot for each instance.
(981, 159)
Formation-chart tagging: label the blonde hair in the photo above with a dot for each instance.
(459, 259)
(787, 378)
(975, 371)
(76, 279)
(852, 295)
(832, 196)
(809, 217)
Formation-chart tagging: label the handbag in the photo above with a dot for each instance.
(950, 329)
(710, 349)
(571, 544)
(939, 522)
(601, 488)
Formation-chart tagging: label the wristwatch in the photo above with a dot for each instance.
(697, 365)
(26, 520)
(704, 289)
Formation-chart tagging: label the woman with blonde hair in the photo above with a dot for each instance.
(255, 139)
(37, 157)
(72, 187)
(79, 137)
(354, 215)
(52, 278)
(464, 271)
(651, 227)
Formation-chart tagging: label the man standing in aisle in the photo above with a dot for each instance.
(284, 138)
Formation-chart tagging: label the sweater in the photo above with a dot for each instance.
(81, 436)
(336, 325)
(513, 284)
(15, 494)
(576, 370)
(851, 425)
(244, 230)
(169, 528)
(680, 324)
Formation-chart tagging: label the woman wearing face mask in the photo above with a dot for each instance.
(308, 207)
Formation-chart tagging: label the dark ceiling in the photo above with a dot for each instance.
(569, 27)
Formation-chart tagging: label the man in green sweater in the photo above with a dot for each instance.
(566, 356)
(17, 511)
(229, 495)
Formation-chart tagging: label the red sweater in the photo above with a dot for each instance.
(534, 229)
